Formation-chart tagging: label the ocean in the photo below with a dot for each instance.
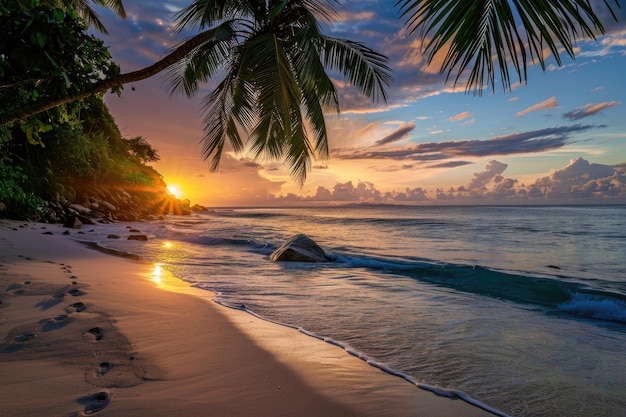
(522, 309)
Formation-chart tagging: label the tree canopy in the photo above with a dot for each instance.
(46, 53)
(87, 13)
(276, 87)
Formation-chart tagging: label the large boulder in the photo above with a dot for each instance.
(300, 248)
(80, 209)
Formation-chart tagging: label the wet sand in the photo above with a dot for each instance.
(88, 333)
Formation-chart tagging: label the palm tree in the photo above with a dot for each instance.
(274, 87)
(87, 13)
(472, 32)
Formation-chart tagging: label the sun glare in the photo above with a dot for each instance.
(156, 274)
(173, 189)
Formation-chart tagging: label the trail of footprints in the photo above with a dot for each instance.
(111, 365)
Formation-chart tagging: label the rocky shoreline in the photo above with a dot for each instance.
(105, 205)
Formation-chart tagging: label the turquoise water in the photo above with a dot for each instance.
(521, 308)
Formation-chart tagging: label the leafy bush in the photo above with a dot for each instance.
(19, 202)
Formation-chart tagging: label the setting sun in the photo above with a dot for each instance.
(173, 189)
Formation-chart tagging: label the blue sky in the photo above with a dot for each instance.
(560, 138)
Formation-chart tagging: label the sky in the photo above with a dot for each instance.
(560, 138)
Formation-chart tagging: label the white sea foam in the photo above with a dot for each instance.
(370, 361)
(594, 307)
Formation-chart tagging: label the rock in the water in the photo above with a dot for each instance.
(300, 248)
(137, 237)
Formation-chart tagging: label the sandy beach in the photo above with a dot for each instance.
(83, 332)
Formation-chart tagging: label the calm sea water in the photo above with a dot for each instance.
(521, 308)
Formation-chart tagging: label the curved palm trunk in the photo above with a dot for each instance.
(104, 85)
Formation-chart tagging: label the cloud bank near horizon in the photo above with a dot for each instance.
(579, 181)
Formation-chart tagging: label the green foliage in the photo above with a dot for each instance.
(276, 86)
(475, 34)
(141, 150)
(15, 197)
(87, 13)
(46, 54)
(83, 153)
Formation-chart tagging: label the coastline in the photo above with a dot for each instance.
(83, 332)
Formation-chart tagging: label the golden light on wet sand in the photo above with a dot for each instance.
(156, 274)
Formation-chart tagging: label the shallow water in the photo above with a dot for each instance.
(522, 308)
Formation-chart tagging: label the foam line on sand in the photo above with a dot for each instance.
(86, 333)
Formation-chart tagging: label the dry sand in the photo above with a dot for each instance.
(86, 333)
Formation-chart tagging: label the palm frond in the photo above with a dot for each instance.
(318, 90)
(219, 124)
(115, 5)
(299, 153)
(474, 33)
(364, 67)
(307, 61)
(203, 61)
(205, 13)
(87, 13)
(321, 9)
(229, 108)
(270, 72)
(272, 98)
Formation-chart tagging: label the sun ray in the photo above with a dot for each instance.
(174, 190)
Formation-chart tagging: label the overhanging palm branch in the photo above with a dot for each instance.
(275, 86)
(474, 33)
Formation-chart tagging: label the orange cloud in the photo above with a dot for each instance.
(550, 103)
(460, 116)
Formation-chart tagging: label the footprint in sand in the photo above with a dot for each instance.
(78, 307)
(47, 304)
(55, 323)
(94, 402)
(15, 289)
(97, 333)
(20, 341)
(75, 292)
(26, 337)
(103, 368)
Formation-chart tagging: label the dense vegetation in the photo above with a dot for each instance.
(72, 153)
(82, 159)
